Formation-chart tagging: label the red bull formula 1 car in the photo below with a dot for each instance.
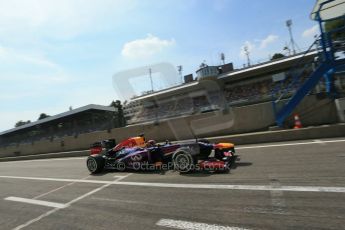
(137, 154)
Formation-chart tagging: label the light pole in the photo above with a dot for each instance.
(289, 24)
(246, 51)
(222, 58)
(179, 69)
(150, 73)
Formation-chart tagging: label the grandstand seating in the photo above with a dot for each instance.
(86, 119)
(236, 95)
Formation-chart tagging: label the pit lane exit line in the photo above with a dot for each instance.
(36, 202)
(194, 186)
(188, 225)
(67, 204)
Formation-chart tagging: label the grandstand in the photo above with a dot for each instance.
(215, 90)
(85, 119)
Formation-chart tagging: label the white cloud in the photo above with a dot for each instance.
(260, 50)
(311, 32)
(268, 40)
(146, 47)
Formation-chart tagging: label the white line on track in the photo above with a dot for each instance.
(188, 225)
(67, 204)
(57, 189)
(320, 142)
(117, 176)
(289, 144)
(36, 202)
(59, 179)
(194, 186)
(120, 201)
(239, 187)
(40, 160)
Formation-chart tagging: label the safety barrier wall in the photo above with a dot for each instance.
(243, 119)
(340, 105)
(315, 132)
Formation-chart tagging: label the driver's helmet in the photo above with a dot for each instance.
(151, 143)
(142, 135)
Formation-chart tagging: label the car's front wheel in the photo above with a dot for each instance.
(183, 160)
(95, 164)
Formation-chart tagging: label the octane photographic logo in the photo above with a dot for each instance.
(120, 166)
(187, 168)
(139, 166)
(221, 118)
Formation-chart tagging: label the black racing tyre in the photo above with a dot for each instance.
(183, 160)
(95, 164)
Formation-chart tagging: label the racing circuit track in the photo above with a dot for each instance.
(294, 185)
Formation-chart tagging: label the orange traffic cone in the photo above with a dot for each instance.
(298, 123)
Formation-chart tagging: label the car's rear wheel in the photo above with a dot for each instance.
(183, 160)
(95, 164)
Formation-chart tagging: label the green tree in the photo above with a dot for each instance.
(119, 112)
(20, 123)
(42, 116)
(277, 56)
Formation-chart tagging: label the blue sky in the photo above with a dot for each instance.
(56, 54)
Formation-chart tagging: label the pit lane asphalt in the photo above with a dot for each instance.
(319, 163)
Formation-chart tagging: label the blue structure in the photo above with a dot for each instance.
(324, 67)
